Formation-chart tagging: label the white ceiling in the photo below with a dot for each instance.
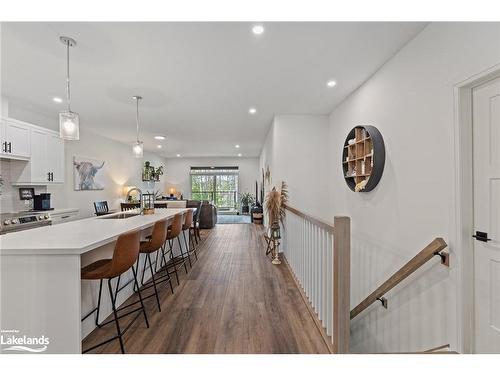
(198, 80)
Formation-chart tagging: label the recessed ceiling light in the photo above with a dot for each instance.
(258, 29)
(57, 99)
(158, 146)
(237, 146)
(252, 111)
(159, 137)
(331, 83)
(178, 155)
(240, 155)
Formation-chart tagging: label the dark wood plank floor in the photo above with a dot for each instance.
(232, 301)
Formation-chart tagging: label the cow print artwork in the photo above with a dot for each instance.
(88, 174)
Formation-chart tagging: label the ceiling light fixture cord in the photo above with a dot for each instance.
(68, 94)
(137, 116)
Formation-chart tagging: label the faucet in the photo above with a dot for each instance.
(140, 197)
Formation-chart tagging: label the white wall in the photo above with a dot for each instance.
(410, 100)
(120, 168)
(296, 151)
(177, 172)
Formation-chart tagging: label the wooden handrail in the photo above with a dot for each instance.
(320, 223)
(432, 249)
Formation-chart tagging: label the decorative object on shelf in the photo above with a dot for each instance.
(88, 174)
(26, 193)
(150, 173)
(246, 201)
(363, 158)
(138, 146)
(275, 207)
(69, 122)
(171, 192)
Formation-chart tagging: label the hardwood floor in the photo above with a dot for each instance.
(232, 301)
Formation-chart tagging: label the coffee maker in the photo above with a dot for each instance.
(41, 202)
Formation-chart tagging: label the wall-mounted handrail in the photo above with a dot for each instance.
(431, 250)
(318, 255)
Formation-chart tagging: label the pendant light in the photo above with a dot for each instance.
(69, 122)
(138, 146)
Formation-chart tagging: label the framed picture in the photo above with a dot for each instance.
(88, 174)
(26, 193)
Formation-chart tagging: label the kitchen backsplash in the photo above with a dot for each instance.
(9, 198)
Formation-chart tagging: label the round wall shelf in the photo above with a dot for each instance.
(363, 158)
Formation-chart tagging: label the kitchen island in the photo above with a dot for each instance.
(41, 292)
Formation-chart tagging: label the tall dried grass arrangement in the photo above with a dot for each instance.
(275, 204)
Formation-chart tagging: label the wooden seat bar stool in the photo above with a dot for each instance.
(125, 254)
(154, 243)
(188, 224)
(174, 232)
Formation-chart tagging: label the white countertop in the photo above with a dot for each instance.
(79, 236)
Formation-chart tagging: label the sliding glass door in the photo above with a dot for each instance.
(219, 185)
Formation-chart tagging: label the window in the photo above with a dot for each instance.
(218, 185)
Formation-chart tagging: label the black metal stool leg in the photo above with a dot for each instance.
(171, 256)
(188, 248)
(98, 305)
(140, 297)
(194, 246)
(154, 281)
(182, 254)
(143, 270)
(119, 333)
(163, 260)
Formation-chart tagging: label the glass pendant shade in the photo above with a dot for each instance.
(138, 149)
(69, 125)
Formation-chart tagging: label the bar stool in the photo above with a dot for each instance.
(173, 232)
(195, 228)
(154, 243)
(188, 224)
(125, 254)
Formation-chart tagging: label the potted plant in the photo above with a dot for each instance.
(157, 173)
(146, 171)
(246, 200)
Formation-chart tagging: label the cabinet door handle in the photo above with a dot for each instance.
(10, 147)
(4, 146)
(48, 176)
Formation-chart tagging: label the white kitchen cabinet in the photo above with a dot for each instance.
(46, 164)
(55, 157)
(15, 139)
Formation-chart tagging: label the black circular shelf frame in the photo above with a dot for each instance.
(366, 137)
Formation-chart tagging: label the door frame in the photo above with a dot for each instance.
(464, 205)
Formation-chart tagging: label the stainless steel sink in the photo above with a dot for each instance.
(124, 215)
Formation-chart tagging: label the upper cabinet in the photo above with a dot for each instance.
(44, 163)
(15, 139)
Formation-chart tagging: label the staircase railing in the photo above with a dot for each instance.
(433, 249)
(318, 256)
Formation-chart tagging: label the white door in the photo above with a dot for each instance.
(55, 157)
(486, 135)
(38, 161)
(18, 139)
